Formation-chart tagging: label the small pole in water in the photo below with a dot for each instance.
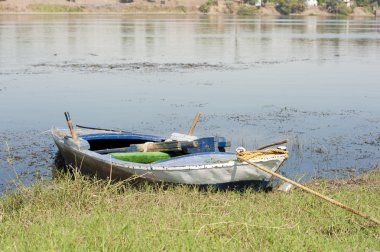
(194, 124)
(70, 124)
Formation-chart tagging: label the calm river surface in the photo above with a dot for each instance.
(313, 80)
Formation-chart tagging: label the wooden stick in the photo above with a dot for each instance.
(312, 191)
(275, 143)
(70, 124)
(194, 123)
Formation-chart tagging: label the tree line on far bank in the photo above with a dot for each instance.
(286, 7)
(332, 6)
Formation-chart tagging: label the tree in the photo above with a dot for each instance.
(291, 6)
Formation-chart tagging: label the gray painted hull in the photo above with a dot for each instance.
(189, 169)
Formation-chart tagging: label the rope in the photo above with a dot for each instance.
(262, 153)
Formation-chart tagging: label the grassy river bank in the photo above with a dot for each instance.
(212, 7)
(81, 214)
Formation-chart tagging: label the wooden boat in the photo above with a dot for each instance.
(202, 161)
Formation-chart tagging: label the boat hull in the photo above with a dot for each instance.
(221, 170)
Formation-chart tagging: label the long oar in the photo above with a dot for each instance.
(93, 128)
(194, 123)
(272, 144)
(70, 124)
(311, 191)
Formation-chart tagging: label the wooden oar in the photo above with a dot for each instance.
(339, 204)
(93, 128)
(70, 124)
(194, 124)
(272, 144)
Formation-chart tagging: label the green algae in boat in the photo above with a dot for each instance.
(141, 157)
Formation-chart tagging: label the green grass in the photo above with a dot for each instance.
(85, 215)
(53, 8)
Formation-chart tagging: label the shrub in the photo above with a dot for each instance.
(181, 8)
(229, 6)
(291, 6)
(246, 10)
(363, 3)
(343, 9)
(253, 2)
(205, 8)
(338, 7)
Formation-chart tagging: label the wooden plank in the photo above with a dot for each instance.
(125, 149)
(153, 147)
(163, 146)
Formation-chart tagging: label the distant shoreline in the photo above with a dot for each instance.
(140, 7)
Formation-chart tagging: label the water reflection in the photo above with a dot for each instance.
(188, 39)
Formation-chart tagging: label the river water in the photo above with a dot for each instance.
(312, 80)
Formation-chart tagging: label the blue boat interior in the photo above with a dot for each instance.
(117, 140)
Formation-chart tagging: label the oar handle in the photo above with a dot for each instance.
(67, 115)
(70, 124)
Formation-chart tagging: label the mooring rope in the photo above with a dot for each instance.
(262, 153)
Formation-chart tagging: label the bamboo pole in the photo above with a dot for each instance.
(337, 203)
(70, 124)
(272, 144)
(194, 123)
